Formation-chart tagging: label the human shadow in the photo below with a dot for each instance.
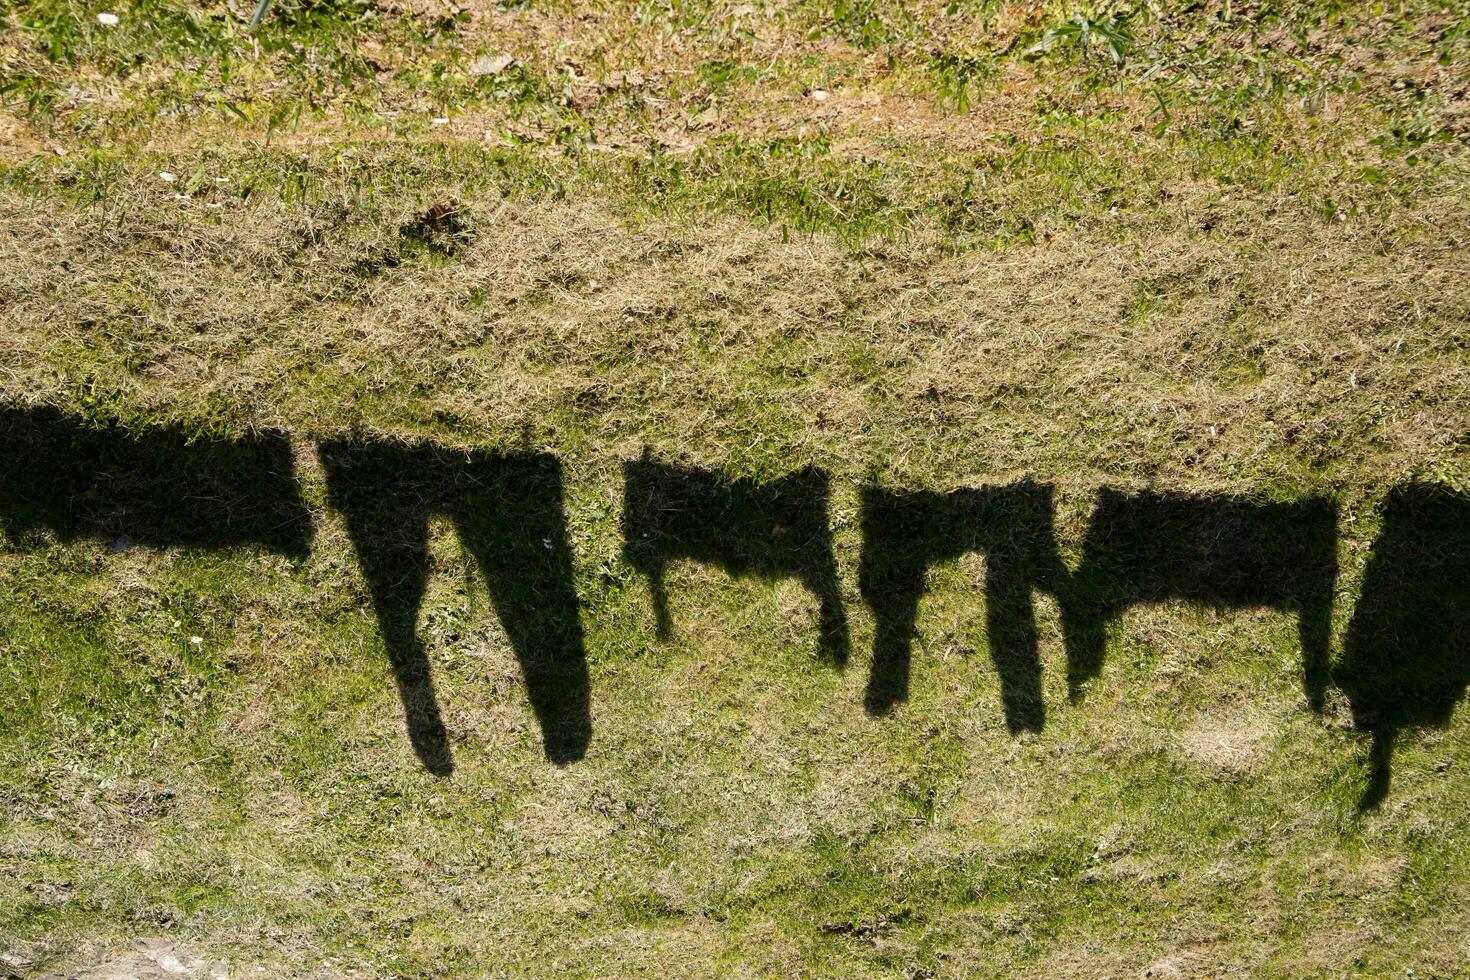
(904, 534)
(773, 529)
(508, 512)
(1226, 551)
(1406, 656)
(159, 486)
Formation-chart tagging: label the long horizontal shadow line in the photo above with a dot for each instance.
(1404, 660)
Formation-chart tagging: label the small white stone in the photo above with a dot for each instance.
(166, 177)
(492, 64)
(440, 120)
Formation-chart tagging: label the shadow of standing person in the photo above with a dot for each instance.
(904, 534)
(508, 511)
(1406, 657)
(773, 529)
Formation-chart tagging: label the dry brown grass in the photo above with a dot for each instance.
(1272, 347)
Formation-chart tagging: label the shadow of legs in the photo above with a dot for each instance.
(1011, 625)
(1084, 631)
(773, 529)
(1229, 552)
(831, 616)
(1406, 656)
(515, 527)
(905, 533)
(508, 512)
(392, 548)
(1380, 770)
(893, 595)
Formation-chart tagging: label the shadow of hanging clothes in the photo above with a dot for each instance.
(157, 487)
(508, 512)
(904, 534)
(775, 529)
(1406, 656)
(1225, 551)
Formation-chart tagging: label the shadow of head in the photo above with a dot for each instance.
(508, 512)
(775, 529)
(156, 487)
(904, 534)
(1406, 657)
(1226, 551)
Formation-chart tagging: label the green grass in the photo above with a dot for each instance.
(253, 796)
(1191, 251)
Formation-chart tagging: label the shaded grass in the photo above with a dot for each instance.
(962, 838)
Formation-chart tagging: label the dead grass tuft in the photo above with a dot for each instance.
(1230, 743)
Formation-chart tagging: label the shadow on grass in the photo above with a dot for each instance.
(1406, 658)
(155, 487)
(1405, 663)
(905, 533)
(776, 529)
(508, 512)
(1223, 551)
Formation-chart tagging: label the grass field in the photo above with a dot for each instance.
(778, 488)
